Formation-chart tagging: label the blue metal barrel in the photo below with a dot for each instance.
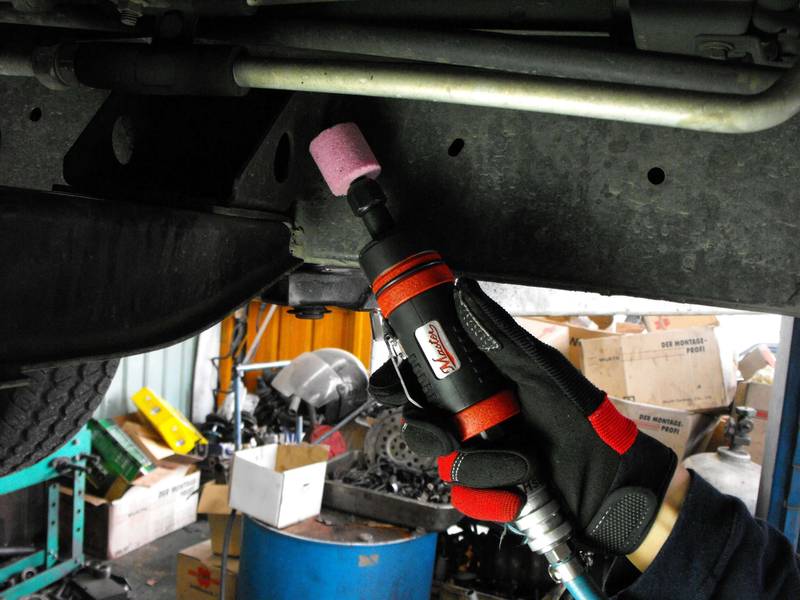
(336, 559)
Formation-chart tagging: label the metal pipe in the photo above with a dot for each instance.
(226, 543)
(698, 111)
(265, 365)
(512, 53)
(16, 550)
(257, 340)
(353, 414)
(237, 411)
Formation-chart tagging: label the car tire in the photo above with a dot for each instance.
(36, 419)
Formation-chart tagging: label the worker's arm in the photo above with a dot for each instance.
(619, 487)
(666, 517)
(714, 549)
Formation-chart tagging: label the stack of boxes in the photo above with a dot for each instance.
(665, 373)
(143, 488)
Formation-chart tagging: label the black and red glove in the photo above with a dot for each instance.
(610, 477)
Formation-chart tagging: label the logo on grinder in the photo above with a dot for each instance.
(436, 347)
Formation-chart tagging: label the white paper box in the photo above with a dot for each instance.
(279, 485)
(143, 514)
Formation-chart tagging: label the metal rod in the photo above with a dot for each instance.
(511, 53)
(237, 410)
(368, 404)
(226, 543)
(265, 365)
(239, 372)
(720, 113)
(14, 383)
(16, 550)
(259, 333)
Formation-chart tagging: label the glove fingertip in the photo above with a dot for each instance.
(427, 440)
(484, 469)
(445, 466)
(500, 506)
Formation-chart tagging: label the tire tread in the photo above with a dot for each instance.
(39, 418)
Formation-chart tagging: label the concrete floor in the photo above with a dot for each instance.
(151, 570)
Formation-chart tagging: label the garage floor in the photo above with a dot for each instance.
(151, 570)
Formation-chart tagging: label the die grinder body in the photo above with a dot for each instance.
(413, 287)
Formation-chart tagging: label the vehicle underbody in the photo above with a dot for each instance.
(644, 148)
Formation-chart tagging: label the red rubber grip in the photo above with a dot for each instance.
(413, 285)
(404, 265)
(486, 414)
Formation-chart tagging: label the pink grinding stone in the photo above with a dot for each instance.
(343, 155)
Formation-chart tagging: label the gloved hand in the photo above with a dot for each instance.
(610, 477)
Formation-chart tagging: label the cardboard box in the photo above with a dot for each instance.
(552, 333)
(120, 455)
(150, 441)
(755, 360)
(671, 322)
(562, 335)
(155, 505)
(214, 504)
(676, 369)
(684, 431)
(198, 574)
(625, 327)
(756, 395)
(279, 484)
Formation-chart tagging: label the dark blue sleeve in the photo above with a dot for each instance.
(718, 550)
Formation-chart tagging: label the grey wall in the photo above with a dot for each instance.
(168, 372)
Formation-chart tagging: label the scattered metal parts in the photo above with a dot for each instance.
(383, 475)
(388, 507)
